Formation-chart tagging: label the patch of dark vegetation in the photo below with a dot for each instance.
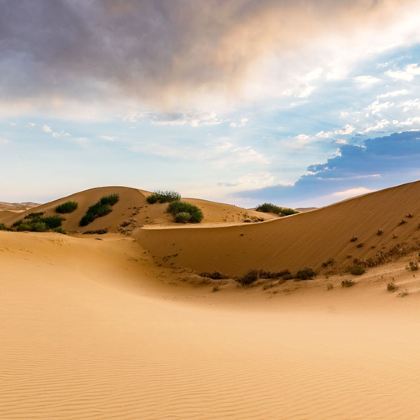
(391, 287)
(99, 209)
(380, 232)
(215, 275)
(329, 263)
(402, 222)
(357, 270)
(37, 222)
(354, 239)
(348, 283)
(305, 274)
(67, 207)
(285, 274)
(360, 245)
(248, 278)
(413, 266)
(96, 232)
(272, 208)
(180, 210)
(3, 227)
(409, 216)
(163, 197)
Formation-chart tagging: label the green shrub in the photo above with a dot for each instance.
(3, 226)
(99, 209)
(248, 278)
(110, 200)
(163, 197)
(67, 207)
(272, 208)
(36, 222)
(182, 217)
(357, 270)
(305, 274)
(215, 275)
(177, 207)
(52, 222)
(60, 230)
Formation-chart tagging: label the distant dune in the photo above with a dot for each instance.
(132, 211)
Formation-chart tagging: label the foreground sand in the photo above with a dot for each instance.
(89, 329)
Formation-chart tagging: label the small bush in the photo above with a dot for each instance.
(216, 275)
(163, 197)
(60, 230)
(330, 262)
(110, 200)
(248, 278)
(99, 209)
(391, 287)
(347, 283)
(96, 232)
(67, 207)
(272, 208)
(354, 239)
(402, 222)
(177, 207)
(3, 226)
(305, 274)
(36, 215)
(413, 266)
(182, 217)
(360, 245)
(273, 274)
(380, 232)
(357, 270)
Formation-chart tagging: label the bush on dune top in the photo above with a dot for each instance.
(272, 208)
(180, 209)
(163, 197)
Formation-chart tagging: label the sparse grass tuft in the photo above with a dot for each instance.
(248, 279)
(216, 275)
(357, 270)
(413, 266)
(305, 274)
(348, 283)
(391, 287)
(96, 232)
(163, 197)
(67, 207)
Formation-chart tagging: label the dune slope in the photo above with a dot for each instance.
(89, 331)
(381, 224)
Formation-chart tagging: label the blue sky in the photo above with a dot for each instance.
(235, 110)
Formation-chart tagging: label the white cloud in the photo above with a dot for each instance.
(351, 192)
(407, 74)
(56, 134)
(366, 81)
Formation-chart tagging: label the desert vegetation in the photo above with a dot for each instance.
(357, 269)
(37, 222)
(185, 212)
(272, 208)
(99, 209)
(67, 207)
(163, 197)
(348, 283)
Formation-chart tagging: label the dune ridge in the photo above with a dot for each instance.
(298, 241)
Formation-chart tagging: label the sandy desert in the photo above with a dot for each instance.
(104, 326)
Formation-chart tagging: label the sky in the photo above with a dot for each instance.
(297, 102)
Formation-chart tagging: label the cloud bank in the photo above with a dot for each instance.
(376, 164)
(165, 53)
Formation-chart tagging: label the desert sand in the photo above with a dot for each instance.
(97, 326)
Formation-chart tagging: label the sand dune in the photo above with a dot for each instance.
(301, 240)
(133, 211)
(91, 329)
